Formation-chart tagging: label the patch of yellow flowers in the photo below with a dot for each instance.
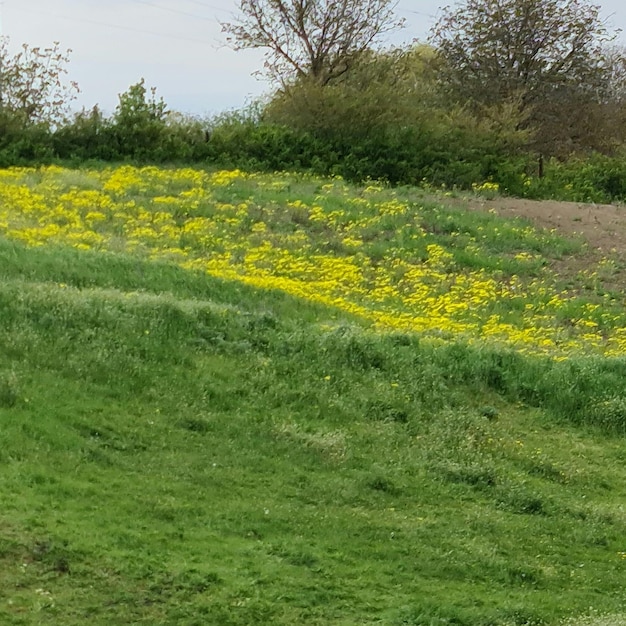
(361, 251)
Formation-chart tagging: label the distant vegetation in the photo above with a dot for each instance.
(479, 103)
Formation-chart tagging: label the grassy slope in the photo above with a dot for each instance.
(179, 450)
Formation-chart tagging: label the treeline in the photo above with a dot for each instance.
(531, 123)
(342, 133)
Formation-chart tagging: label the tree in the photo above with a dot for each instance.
(614, 66)
(319, 39)
(359, 98)
(32, 90)
(610, 120)
(386, 119)
(139, 120)
(546, 55)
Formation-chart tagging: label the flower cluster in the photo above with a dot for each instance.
(369, 252)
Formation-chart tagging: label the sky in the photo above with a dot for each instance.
(176, 46)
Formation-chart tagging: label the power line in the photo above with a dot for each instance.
(157, 6)
(115, 26)
(208, 6)
(433, 17)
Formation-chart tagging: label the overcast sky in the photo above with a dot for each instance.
(176, 45)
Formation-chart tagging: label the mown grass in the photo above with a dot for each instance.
(180, 449)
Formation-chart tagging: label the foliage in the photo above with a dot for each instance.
(141, 128)
(241, 140)
(21, 145)
(88, 135)
(547, 56)
(185, 138)
(139, 121)
(32, 90)
(597, 178)
(385, 120)
(318, 39)
(383, 90)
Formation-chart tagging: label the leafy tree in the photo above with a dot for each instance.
(614, 59)
(386, 119)
(319, 39)
(142, 127)
(136, 109)
(88, 135)
(610, 120)
(139, 121)
(362, 102)
(547, 56)
(32, 86)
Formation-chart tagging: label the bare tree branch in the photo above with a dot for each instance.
(32, 86)
(318, 39)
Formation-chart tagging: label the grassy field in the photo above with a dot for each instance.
(240, 399)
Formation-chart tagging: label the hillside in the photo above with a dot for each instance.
(229, 398)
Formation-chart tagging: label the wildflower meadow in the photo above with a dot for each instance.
(392, 259)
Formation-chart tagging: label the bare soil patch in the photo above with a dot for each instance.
(602, 226)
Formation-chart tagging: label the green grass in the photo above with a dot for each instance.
(176, 449)
(387, 255)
